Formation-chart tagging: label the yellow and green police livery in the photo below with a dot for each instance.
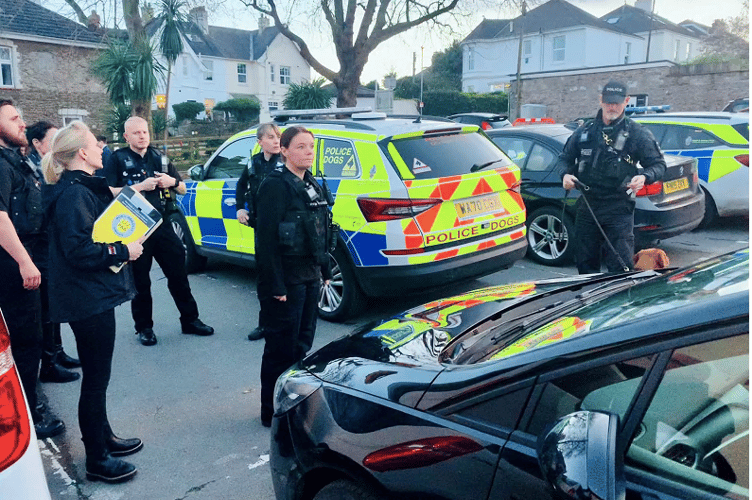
(420, 203)
(720, 142)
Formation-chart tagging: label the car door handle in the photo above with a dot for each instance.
(230, 202)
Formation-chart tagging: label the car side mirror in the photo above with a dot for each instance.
(578, 457)
(196, 172)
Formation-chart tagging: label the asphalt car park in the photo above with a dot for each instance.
(419, 204)
(498, 392)
(663, 209)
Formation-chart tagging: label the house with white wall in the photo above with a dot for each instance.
(559, 37)
(220, 63)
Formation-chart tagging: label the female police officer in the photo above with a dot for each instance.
(292, 258)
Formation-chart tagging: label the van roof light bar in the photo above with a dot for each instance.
(285, 114)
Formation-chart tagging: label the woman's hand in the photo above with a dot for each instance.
(135, 249)
(281, 298)
(32, 278)
(242, 215)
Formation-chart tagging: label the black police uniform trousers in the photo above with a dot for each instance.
(166, 248)
(289, 328)
(51, 338)
(22, 310)
(95, 341)
(617, 221)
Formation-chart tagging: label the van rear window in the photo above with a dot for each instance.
(434, 156)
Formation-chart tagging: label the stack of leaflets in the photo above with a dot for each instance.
(128, 218)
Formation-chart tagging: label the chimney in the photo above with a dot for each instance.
(94, 21)
(199, 16)
(646, 5)
(263, 23)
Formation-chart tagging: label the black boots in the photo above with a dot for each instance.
(50, 428)
(197, 327)
(53, 371)
(67, 361)
(119, 447)
(256, 334)
(108, 469)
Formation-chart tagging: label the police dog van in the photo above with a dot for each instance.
(420, 203)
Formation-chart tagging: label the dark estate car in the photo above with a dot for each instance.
(596, 387)
(486, 121)
(663, 209)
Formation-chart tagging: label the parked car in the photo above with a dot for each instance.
(663, 209)
(486, 121)
(415, 207)
(21, 472)
(720, 142)
(739, 105)
(575, 388)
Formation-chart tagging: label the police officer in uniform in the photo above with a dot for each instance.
(293, 235)
(604, 155)
(158, 180)
(261, 165)
(21, 233)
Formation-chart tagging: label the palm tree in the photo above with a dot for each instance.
(129, 72)
(171, 21)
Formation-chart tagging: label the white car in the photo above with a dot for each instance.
(21, 472)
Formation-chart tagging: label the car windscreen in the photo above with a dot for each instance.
(431, 156)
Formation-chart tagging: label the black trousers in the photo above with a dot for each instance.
(52, 341)
(289, 328)
(618, 224)
(22, 310)
(95, 342)
(165, 247)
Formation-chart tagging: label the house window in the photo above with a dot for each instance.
(70, 115)
(527, 50)
(6, 66)
(209, 71)
(689, 51)
(559, 48)
(676, 50)
(284, 75)
(273, 105)
(627, 52)
(272, 73)
(242, 75)
(471, 59)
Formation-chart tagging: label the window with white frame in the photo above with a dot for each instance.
(242, 73)
(560, 45)
(209, 71)
(70, 115)
(273, 105)
(689, 51)
(6, 66)
(627, 52)
(284, 75)
(527, 50)
(676, 50)
(271, 66)
(471, 59)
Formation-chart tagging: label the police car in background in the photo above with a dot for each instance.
(420, 203)
(21, 472)
(720, 142)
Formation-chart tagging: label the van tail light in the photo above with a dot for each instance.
(650, 189)
(743, 159)
(695, 177)
(385, 209)
(420, 453)
(15, 431)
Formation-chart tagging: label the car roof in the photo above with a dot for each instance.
(548, 130)
(379, 124)
(480, 115)
(696, 116)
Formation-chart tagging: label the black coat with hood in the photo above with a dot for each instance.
(81, 283)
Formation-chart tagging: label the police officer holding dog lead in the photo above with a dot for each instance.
(158, 179)
(614, 157)
(294, 234)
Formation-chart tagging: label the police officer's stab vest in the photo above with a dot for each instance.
(133, 173)
(604, 164)
(26, 211)
(305, 227)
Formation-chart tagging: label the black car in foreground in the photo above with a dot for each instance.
(663, 209)
(586, 387)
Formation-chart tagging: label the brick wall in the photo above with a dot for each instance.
(57, 77)
(570, 97)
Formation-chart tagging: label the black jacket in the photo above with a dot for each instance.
(80, 282)
(250, 180)
(586, 148)
(277, 201)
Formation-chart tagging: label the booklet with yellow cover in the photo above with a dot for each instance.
(128, 218)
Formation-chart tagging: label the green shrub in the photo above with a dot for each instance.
(187, 110)
(242, 109)
(308, 96)
(443, 103)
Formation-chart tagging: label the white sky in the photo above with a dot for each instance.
(397, 53)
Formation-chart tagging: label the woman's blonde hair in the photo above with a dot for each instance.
(63, 149)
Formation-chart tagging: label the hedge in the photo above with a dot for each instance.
(446, 103)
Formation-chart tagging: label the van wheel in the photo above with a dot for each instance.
(193, 261)
(342, 489)
(342, 297)
(550, 240)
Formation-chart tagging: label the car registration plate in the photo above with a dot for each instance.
(675, 185)
(481, 205)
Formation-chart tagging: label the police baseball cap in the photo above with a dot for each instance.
(614, 92)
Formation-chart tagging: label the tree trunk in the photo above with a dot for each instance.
(133, 22)
(167, 101)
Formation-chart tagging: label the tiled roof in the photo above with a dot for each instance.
(635, 20)
(487, 29)
(27, 18)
